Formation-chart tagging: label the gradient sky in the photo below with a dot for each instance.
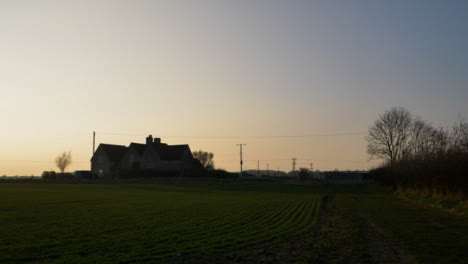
(223, 68)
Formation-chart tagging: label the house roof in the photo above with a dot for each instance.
(140, 148)
(175, 151)
(114, 152)
(167, 152)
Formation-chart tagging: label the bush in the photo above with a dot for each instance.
(304, 174)
(64, 176)
(441, 176)
(49, 175)
(221, 174)
(198, 171)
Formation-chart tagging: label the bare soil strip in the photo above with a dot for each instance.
(381, 248)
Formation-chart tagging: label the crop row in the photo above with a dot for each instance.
(250, 228)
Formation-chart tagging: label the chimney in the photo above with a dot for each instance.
(149, 140)
(157, 141)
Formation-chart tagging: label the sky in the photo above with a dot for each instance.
(213, 74)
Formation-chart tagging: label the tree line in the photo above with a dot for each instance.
(419, 157)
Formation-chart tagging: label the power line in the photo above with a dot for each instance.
(352, 133)
(244, 137)
(82, 161)
(38, 161)
(318, 160)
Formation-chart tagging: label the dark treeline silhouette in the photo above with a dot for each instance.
(52, 175)
(260, 173)
(420, 158)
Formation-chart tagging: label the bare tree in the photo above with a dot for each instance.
(458, 137)
(419, 131)
(388, 136)
(63, 160)
(205, 158)
(424, 140)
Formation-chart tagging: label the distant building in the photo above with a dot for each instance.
(110, 161)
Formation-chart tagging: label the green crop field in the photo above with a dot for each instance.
(232, 223)
(147, 223)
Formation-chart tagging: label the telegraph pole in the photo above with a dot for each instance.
(268, 169)
(294, 166)
(94, 140)
(258, 168)
(241, 162)
(278, 172)
(94, 143)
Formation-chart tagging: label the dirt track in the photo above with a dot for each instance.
(338, 238)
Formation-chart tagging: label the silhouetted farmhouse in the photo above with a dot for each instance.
(154, 157)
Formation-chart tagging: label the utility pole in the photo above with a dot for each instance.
(278, 172)
(312, 170)
(258, 168)
(268, 169)
(294, 166)
(94, 140)
(241, 162)
(94, 143)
